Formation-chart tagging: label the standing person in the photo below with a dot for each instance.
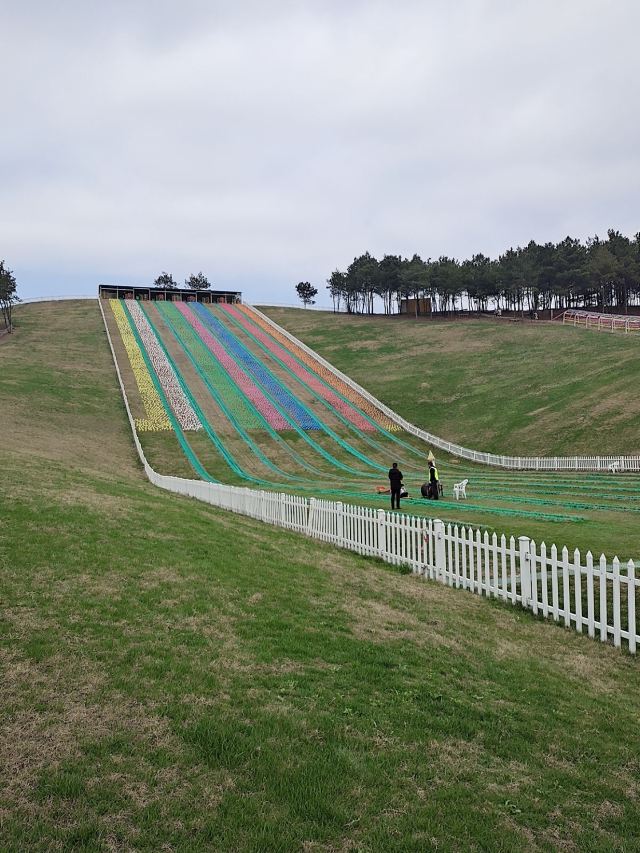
(433, 481)
(395, 479)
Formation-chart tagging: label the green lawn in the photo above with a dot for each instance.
(179, 678)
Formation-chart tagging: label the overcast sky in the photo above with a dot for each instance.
(270, 142)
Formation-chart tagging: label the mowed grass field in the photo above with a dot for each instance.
(180, 678)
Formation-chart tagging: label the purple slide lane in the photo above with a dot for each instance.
(242, 380)
(301, 372)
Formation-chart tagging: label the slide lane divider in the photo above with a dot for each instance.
(584, 483)
(559, 501)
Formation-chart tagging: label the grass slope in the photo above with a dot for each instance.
(499, 387)
(570, 510)
(179, 678)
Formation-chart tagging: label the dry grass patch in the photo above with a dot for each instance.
(377, 621)
(368, 346)
(448, 340)
(585, 667)
(55, 706)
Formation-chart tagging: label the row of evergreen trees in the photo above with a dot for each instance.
(599, 274)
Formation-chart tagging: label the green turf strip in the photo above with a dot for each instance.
(594, 480)
(461, 506)
(562, 491)
(508, 498)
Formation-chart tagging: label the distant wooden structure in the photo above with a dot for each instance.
(422, 308)
(159, 294)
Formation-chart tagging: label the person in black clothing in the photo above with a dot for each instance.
(395, 479)
(434, 481)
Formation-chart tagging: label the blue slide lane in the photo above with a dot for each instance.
(288, 402)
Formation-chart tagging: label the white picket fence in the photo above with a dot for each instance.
(530, 463)
(596, 597)
(599, 598)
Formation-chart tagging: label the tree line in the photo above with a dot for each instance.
(597, 274)
(8, 294)
(195, 281)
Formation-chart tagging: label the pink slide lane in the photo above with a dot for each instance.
(301, 372)
(242, 380)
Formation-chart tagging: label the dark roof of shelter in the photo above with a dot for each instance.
(147, 288)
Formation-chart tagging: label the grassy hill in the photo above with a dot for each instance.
(178, 678)
(577, 510)
(514, 388)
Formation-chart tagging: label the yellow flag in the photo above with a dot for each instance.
(431, 457)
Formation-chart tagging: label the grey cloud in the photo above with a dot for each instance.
(269, 142)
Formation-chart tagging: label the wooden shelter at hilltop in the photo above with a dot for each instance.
(419, 307)
(160, 294)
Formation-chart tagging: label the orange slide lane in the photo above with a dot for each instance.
(327, 375)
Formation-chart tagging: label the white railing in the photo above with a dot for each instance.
(599, 598)
(298, 306)
(533, 463)
(29, 299)
(601, 322)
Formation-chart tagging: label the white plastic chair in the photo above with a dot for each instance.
(614, 467)
(460, 490)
